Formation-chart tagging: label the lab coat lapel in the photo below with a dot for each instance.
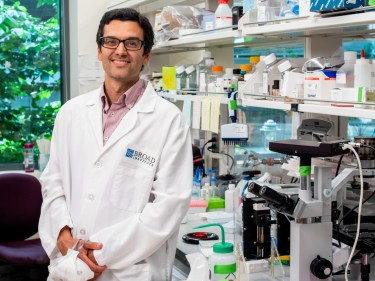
(146, 104)
(94, 116)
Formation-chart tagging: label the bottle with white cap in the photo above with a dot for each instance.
(191, 78)
(204, 68)
(223, 15)
(230, 197)
(345, 74)
(362, 72)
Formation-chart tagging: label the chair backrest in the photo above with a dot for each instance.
(20, 203)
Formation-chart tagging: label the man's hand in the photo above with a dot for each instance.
(65, 241)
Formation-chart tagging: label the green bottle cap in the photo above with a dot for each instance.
(223, 247)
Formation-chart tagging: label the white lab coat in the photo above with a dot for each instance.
(129, 194)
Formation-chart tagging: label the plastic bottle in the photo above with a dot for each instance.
(230, 197)
(216, 72)
(223, 15)
(205, 191)
(227, 79)
(204, 69)
(345, 74)
(362, 72)
(191, 78)
(28, 153)
(180, 77)
(223, 260)
(196, 192)
(235, 77)
(270, 73)
(254, 60)
(241, 80)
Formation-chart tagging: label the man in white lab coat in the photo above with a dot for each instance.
(120, 169)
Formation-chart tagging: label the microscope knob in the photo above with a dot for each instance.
(321, 268)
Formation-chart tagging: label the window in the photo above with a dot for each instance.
(30, 74)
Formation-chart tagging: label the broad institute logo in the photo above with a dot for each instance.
(139, 156)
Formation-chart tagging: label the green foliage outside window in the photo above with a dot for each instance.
(29, 75)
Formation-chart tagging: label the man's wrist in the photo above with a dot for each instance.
(64, 236)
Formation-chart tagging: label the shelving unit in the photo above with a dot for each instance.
(360, 23)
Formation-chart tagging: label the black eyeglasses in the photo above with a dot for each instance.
(132, 44)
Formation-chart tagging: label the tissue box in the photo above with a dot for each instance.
(322, 6)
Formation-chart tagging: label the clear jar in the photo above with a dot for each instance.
(180, 77)
(28, 153)
(191, 78)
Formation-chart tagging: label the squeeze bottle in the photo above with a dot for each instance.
(223, 260)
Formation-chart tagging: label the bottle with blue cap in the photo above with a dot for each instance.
(223, 260)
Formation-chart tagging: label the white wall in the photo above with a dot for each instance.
(84, 21)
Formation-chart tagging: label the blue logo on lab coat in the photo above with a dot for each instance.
(140, 156)
(129, 153)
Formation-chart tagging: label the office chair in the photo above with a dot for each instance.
(20, 203)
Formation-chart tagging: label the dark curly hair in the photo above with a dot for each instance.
(128, 14)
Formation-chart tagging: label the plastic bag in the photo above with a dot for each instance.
(178, 20)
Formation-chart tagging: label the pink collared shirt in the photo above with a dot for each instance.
(112, 115)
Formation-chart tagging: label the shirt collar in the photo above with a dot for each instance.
(127, 99)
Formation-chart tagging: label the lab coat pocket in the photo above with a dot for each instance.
(131, 187)
(135, 272)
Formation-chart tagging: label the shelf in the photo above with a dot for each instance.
(200, 40)
(338, 111)
(265, 104)
(320, 24)
(149, 6)
(175, 97)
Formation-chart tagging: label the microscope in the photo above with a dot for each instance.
(311, 231)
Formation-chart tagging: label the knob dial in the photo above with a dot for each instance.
(321, 267)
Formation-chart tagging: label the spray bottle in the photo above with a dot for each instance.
(223, 260)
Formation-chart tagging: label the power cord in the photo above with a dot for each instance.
(349, 146)
(213, 146)
(209, 141)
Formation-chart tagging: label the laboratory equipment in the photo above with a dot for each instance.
(311, 230)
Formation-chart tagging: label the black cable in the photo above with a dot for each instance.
(351, 210)
(338, 165)
(211, 140)
(214, 147)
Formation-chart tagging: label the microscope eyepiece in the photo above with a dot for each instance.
(273, 196)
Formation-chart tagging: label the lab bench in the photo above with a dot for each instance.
(183, 249)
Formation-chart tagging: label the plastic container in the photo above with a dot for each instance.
(227, 79)
(191, 78)
(362, 72)
(216, 72)
(28, 153)
(345, 74)
(204, 69)
(180, 77)
(196, 191)
(254, 60)
(230, 198)
(223, 260)
(223, 15)
(235, 77)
